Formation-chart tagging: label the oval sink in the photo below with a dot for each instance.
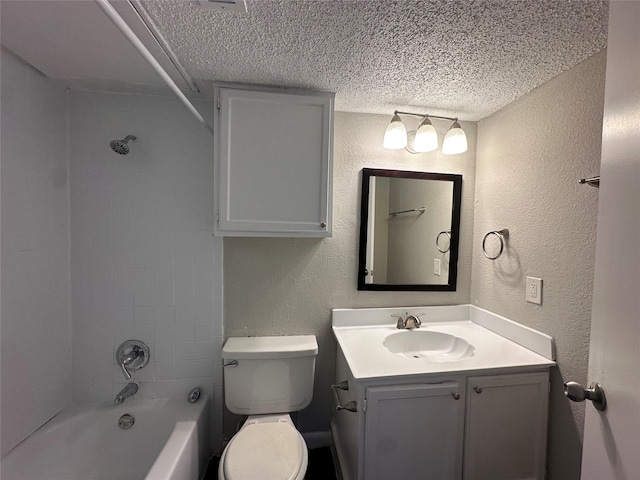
(434, 346)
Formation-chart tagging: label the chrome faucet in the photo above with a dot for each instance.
(127, 359)
(409, 322)
(126, 392)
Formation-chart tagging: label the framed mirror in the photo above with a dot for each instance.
(409, 230)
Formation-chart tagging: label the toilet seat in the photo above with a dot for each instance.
(265, 451)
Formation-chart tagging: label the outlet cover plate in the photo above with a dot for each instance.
(533, 290)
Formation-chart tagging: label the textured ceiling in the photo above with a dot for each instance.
(465, 58)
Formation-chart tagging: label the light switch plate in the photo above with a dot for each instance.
(533, 290)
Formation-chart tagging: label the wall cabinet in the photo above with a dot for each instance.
(443, 427)
(273, 157)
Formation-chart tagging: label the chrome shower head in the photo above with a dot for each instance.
(120, 146)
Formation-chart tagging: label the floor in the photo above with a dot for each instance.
(320, 466)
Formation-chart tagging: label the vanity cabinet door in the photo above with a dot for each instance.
(506, 427)
(414, 432)
(273, 163)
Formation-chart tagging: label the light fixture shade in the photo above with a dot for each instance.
(395, 136)
(426, 137)
(455, 141)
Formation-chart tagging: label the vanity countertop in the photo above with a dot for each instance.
(498, 343)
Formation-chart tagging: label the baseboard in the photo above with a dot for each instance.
(317, 439)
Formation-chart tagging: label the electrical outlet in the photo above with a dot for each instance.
(436, 266)
(533, 290)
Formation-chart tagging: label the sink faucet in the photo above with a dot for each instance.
(126, 392)
(410, 322)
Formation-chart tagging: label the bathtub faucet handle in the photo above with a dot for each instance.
(133, 354)
(127, 359)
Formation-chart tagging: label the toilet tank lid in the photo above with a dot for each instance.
(288, 346)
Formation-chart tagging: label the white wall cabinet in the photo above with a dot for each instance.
(273, 156)
(443, 427)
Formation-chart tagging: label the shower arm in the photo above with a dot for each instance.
(146, 54)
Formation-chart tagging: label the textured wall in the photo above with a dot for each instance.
(530, 156)
(289, 286)
(36, 322)
(144, 263)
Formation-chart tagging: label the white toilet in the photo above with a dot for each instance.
(266, 378)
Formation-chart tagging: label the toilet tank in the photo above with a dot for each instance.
(269, 374)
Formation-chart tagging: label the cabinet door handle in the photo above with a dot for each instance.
(455, 395)
(478, 390)
(351, 406)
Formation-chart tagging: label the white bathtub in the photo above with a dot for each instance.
(170, 440)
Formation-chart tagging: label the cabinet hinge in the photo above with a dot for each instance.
(218, 103)
(217, 216)
(364, 404)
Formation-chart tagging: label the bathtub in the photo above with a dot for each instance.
(169, 440)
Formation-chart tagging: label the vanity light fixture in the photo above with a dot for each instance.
(425, 138)
(395, 137)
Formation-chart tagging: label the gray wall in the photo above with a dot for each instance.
(529, 159)
(289, 286)
(36, 321)
(412, 236)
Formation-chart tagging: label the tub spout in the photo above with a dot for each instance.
(126, 392)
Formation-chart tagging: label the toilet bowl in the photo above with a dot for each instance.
(267, 447)
(266, 378)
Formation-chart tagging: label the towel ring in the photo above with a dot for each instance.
(502, 236)
(448, 234)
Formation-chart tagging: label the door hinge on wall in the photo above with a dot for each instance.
(217, 216)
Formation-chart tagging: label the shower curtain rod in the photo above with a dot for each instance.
(146, 54)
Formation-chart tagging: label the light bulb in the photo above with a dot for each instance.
(455, 141)
(395, 136)
(426, 137)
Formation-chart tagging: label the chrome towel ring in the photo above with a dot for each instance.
(502, 236)
(448, 234)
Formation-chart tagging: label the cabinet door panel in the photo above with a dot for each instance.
(413, 432)
(274, 162)
(506, 427)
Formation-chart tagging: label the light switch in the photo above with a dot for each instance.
(533, 290)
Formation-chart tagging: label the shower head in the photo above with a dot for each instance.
(120, 146)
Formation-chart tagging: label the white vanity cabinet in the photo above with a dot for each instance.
(437, 427)
(506, 426)
(273, 160)
(413, 431)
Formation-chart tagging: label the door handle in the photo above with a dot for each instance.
(576, 392)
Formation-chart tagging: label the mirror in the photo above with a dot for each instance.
(409, 230)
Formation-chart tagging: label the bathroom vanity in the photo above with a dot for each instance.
(463, 396)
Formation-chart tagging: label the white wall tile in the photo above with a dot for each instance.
(143, 287)
(35, 293)
(153, 263)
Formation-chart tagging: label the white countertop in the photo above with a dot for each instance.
(362, 344)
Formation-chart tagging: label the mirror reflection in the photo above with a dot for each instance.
(409, 227)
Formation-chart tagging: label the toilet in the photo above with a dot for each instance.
(266, 378)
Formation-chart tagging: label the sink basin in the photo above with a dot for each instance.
(434, 346)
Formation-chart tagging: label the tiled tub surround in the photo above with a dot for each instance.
(168, 441)
(144, 263)
(416, 403)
